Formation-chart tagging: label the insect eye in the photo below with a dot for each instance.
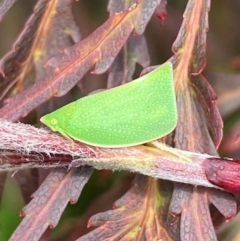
(54, 122)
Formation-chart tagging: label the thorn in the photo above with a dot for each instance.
(174, 221)
(72, 201)
(51, 226)
(89, 224)
(114, 206)
(136, 34)
(228, 219)
(161, 17)
(22, 213)
(173, 214)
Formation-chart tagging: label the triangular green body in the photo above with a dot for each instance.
(135, 113)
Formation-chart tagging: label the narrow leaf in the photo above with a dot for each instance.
(16, 63)
(197, 225)
(134, 51)
(139, 214)
(5, 5)
(75, 61)
(197, 112)
(49, 201)
(34, 46)
(123, 67)
(208, 98)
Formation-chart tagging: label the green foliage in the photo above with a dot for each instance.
(10, 207)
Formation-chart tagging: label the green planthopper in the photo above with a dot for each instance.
(131, 114)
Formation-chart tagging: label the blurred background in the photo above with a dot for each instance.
(222, 71)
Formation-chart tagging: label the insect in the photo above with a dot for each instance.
(131, 114)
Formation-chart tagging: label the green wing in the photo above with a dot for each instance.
(135, 113)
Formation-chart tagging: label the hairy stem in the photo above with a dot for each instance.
(24, 146)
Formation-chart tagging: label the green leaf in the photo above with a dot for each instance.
(11, 204)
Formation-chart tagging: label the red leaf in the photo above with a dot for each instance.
(123, 67)
(15, 64)
(207, 98)
(193, 205)
(197, 112)
(50, 201)
(142, 213)
(5, 6)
